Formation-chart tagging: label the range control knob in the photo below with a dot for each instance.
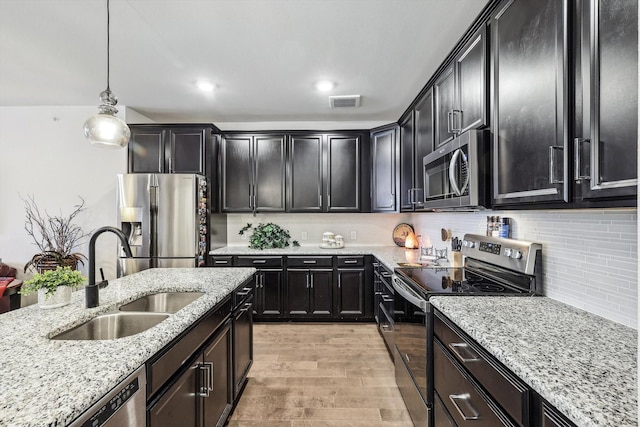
(468, 244)
(516, 254)
(507, 252)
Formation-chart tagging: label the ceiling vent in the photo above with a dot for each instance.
(344, 101)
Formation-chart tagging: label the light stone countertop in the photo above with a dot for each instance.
(583, 364)
(50, 383)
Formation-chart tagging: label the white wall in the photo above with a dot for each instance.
(43, 153)
(589, 256)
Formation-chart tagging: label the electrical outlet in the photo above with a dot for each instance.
(303, 235)
(354, 236)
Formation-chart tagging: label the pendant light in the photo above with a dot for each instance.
(105, 129)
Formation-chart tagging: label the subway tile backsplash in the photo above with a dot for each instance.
(590, 256)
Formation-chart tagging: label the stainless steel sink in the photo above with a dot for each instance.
(112, 326)
(165, 302)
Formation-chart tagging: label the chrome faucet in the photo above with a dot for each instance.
(91, 291)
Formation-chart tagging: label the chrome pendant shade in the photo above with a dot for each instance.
(105, 129)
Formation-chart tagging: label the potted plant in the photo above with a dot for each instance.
(54, 287)
(55, 236)
(268, 236)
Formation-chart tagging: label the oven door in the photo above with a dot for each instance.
(413, 332)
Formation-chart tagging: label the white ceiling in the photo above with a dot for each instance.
(264, 56)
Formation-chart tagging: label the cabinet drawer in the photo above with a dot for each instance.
(259, 262)
(467, 405)
(309, 261)
(505, 388)
(178, 352)
(350, 261)
(221, 261)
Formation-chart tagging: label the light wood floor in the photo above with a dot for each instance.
(310, 374)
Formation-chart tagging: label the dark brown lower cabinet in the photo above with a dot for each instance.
(310, 292)
(350, 293)
(242, 345)
(202, 395)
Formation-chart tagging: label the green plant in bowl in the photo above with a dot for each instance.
(50, 280)
(268, 236)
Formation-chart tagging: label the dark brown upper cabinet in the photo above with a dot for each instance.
(306, 172)
(606, 142)
(384, 169)
(416, 141)
(343, 178)
(460, 92)
(253, 173)
(530, 102)
(169, 148)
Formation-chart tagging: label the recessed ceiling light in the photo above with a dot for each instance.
(325, 86)
(205, 86)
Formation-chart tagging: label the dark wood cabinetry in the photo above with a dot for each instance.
(530, 104)
(253, 173)
(269, 284)
(310, 292)
(605, 164)
(169, 148)
(350, 295)
(216, 387)
(343, 179)
(305, 192)
(471, 84)
(384, 169)
(444, 96)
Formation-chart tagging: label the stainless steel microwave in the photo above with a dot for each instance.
(456, 174)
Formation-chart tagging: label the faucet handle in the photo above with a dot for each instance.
(103, 284)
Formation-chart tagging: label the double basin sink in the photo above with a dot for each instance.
(132, 318)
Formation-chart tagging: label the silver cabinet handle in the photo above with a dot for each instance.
(308, 281)
(552, 164)
(221, 261)
(465, 398)
(454, 113)
(311, 275)
(458, 347)
(259, 261)
(261, 280)
(449, 121)
(171, 165)
(309, 261)
(350, 261)
(578, 176)
(339, 281)
(206, 369)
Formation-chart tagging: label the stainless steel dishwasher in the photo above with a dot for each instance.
(124, 405)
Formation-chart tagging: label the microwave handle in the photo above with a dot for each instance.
(452, 174)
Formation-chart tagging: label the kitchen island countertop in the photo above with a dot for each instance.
(50, 383)
(583, 364)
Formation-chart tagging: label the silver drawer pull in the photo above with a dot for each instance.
(350, 261)
(458, 348)
(464, 398)
(259, 261)
(309, 261)
(218, 261)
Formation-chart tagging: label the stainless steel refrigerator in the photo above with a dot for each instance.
(165, 219)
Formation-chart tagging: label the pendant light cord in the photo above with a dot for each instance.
(108, 46)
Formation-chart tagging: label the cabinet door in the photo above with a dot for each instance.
(383, 179)
(444, 95)
(242, 346)
(471, 83)
(343, 170)
(351, 293)
(187, 150)
(216, 386)
(530, 127)
(298, 291)
(321, 292)
(406, 162)
(608, 168)
(304, 191)
(270, 294)
(423, 143)
(237, 174)
(269, 179)
(178, 405)
(146, 150)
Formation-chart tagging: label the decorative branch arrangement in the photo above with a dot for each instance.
(55, 236)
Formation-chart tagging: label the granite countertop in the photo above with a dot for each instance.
(50, 383)
(583, 364)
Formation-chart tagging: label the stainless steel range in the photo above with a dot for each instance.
(492, 266)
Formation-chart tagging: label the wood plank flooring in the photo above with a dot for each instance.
(320, 374)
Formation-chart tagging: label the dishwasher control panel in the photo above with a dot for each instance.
(102, 414)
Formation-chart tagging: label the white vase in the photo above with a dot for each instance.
(60, 298)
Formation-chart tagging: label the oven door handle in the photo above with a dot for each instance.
(409, 294)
